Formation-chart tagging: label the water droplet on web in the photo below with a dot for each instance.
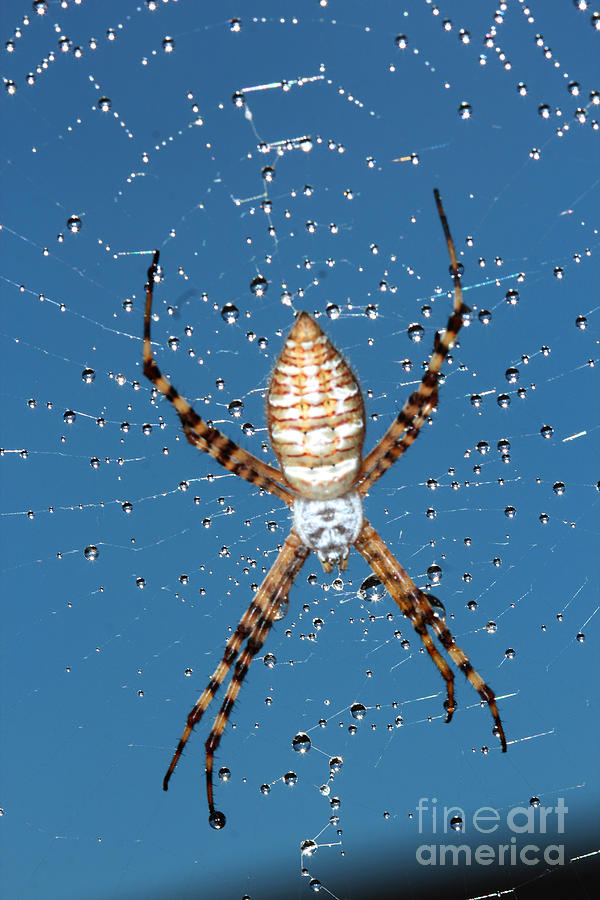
(559, 488)
(88, 375)
(416, 332)
(290, 778)
(259, 286)
(512, 297)
(371, 590)
(104, 104)
(127, 507)
(235, 408)
(580, 637)
(358, 710)
(308, 847)
(301, 743)
(456, 823)
(546, 431)
(270, 660)
(465, 110)
(491, 627)
(74, 224)
(581, 322)
(434, 573)
(510, 653)
(401, 41)
(92, 553)
(229, 313)
(510, 512)
(335, 764)
(69, 417)
(224, 773)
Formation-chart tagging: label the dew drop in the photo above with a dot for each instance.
(371, 589)
(416, 332)
(259, 286)
(301, 743)
(229, 313)
(91, 553)
(335, 764)
(358, 710)
(308, 847)
(434, 573)
(235, 408)
(74, 224)
(217, 820)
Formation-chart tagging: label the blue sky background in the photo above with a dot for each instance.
(98, 672)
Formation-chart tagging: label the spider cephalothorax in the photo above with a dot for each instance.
(316, 422)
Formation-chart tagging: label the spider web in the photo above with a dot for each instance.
(286, 161)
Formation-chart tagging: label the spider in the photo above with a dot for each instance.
(316, 423)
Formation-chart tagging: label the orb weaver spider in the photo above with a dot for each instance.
(316, 424)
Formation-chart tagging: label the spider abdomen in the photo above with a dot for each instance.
(315, 414)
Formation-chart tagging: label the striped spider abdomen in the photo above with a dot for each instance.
(315, 414)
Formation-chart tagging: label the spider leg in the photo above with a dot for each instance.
(407, 424)
(203, 436)
(415, 604)
(253, 626)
